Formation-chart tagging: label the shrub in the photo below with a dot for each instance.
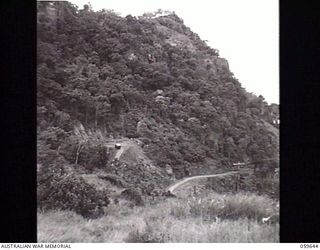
(133, 195)
(115, 180)
(71, 192)
(94, 156)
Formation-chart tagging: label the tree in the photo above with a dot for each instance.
(104, 71)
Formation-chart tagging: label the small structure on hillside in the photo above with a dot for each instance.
(238, 165)
(117, 145)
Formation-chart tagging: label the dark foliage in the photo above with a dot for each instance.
(70, 192)
(133, 195)
(147, 78)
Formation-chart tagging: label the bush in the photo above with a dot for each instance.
(70, 192)
(94, 156)
(133, 195)
(115, 180)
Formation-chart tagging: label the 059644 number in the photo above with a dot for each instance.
(308, 245)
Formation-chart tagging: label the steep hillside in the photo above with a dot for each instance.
(147, 78)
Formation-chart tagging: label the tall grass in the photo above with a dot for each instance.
(230, 206)
(214, 218)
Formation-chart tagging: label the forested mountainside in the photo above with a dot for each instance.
(149, 78)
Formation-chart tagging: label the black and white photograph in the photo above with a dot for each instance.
(158, 121)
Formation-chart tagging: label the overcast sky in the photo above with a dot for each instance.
(245, 32)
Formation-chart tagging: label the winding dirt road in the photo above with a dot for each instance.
(126, 143)
(119, 153)
(179, 183)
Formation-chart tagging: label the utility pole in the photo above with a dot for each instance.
(237, 182)
(238, 165)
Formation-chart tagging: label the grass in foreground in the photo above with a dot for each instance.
(215, 218)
